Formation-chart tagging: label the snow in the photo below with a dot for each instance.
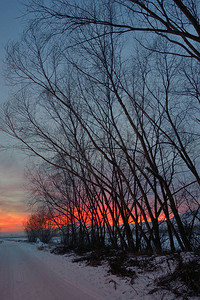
(37, 274)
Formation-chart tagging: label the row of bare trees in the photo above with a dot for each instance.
(109, 100)
(40, 226)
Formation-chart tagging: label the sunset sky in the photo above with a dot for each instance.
(13, 210)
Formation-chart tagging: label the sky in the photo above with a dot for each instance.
(13, 208)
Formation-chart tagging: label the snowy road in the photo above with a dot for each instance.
(26, 277)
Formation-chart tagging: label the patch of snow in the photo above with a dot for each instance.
(98, 281)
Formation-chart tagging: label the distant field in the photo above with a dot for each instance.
(13, 238)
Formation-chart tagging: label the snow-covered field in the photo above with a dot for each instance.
(29, 273)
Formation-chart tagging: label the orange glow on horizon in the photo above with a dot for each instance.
(12, 221)
(87, 217)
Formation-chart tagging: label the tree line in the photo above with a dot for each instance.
(108, 104)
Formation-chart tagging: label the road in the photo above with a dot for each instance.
(25, 277)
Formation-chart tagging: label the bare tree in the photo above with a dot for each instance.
(39, 225)
(115, 127)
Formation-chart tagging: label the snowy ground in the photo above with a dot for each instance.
(29, 273)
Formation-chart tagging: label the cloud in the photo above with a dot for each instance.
(13, 209)
(12, 221)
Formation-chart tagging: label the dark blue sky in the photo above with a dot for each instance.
(10, 27)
